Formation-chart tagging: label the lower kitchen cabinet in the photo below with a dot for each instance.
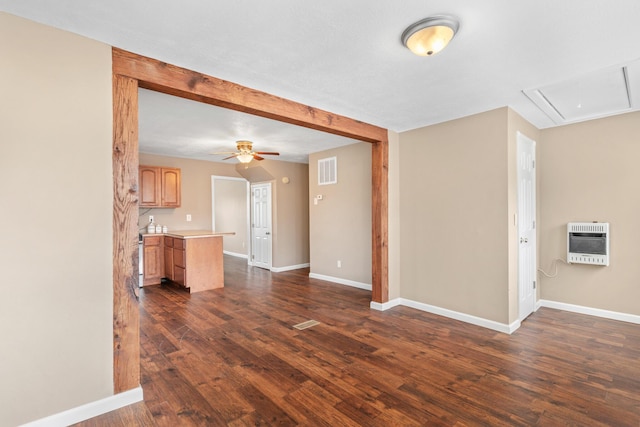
(194, 262)
(153, 259)
(168, 257)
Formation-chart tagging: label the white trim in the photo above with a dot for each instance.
(90, 410)
(289, 267)
(347, 282)
(235, 254)
(613, 315)
(385, 305)
(478, 321)
(467, 318)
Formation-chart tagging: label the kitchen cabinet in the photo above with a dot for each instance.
(175, 260)
(180, 262)
(159, 187)
(168, 257)
(192, 259)
(153, 258)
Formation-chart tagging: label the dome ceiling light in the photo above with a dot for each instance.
(430, 35)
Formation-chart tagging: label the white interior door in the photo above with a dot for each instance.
(261, 225)
(526, 225)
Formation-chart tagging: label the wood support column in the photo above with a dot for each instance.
(126, 328)
(380, 221)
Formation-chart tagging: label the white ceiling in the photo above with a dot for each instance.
(346, 57)
(178, 127)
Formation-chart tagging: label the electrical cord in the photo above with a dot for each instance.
(554, 266)
(143, 214)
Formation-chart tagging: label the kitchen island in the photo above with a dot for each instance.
(190, 258)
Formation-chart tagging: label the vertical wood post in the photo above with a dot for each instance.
(126, 330)
(380, 221)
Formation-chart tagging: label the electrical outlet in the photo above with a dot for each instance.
(339, 264)
(188, 217)
(150, 218)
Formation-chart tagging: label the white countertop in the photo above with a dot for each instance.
(192, 234)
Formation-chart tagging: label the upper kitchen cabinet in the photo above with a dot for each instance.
(159, 187)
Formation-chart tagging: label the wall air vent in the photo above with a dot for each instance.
(328, 171)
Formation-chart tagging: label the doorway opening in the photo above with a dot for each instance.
(132, 71)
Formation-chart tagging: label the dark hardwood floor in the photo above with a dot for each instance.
(231, 357)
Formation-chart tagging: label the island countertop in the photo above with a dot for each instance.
(192, 234)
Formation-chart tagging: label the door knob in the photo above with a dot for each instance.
(267, 233)
(524, 240)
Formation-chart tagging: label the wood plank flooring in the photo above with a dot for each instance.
(232, 357)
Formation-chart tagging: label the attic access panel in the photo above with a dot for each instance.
(599, 94)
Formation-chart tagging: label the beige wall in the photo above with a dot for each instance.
(340, 224)
(196, 192)
(395, 276)
(290, 214)
(231, 213)
(589, 172)
(454, 215)
(56, 253)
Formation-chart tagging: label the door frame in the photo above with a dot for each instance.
(251, 210)
(213, 203)
(130, 72)
(523, 139)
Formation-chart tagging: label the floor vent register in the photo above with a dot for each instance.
(307, 324)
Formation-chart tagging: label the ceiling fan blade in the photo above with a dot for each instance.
(255, 156)
(222, 152)
(231, 157)
(268, 153)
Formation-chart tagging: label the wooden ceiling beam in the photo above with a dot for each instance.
(162, 77)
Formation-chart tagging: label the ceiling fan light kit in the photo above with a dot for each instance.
(430, 35)
(245, 152)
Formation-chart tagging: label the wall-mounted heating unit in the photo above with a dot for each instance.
(588, 243)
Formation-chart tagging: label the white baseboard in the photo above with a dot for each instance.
(289, 268)
(235, 254)
(385, 305)
(613, 315)
(90, 410)
(347, 282)
(467, 318)
(502, 327)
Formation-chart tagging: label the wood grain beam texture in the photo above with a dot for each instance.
(126, 330)
(173, 80)
(132, 71)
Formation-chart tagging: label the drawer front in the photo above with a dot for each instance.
(152, 240)
(168, 263)
(179, 243)
(179, 275)
(179, 258)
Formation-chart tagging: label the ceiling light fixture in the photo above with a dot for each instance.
(430, 35)
(245, 157)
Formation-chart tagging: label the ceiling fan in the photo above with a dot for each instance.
(245, 152)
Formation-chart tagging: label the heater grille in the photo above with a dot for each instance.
(588, 227)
